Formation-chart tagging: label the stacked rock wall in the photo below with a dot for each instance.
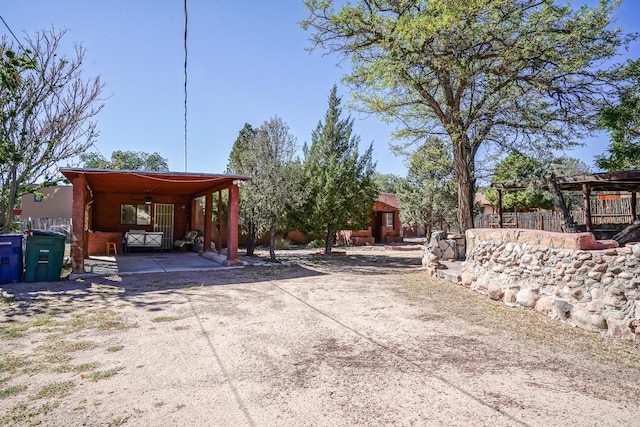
(570, 277)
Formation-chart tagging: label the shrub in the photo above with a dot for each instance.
(282, 244)
(318, 243)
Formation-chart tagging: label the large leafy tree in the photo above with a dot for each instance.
(268, 155)
(520, 74)
(126, 160)
(622, 121)
(428, 194)
(46, 114)
(339, 179)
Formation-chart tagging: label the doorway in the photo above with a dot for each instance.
(163, 221)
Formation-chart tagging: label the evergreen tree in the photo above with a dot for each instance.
(428, 195)
(340, 180)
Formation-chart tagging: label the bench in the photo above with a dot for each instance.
(143, 239)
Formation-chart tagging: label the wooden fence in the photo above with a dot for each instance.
(604, 214)
(61, 225)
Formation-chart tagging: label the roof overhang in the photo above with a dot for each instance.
(611, 181)
(156, 183)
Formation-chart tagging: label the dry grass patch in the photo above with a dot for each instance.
(160, 319)
(55, 390)
(457, 301)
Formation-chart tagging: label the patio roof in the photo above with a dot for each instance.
(156, 183)
(612, 181)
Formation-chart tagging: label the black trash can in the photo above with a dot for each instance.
(10, 258)
(45, 253)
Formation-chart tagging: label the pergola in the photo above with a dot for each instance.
(97, 194)
(612, 181)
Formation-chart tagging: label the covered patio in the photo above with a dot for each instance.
(110, 204)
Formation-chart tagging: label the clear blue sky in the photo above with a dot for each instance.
(247, 63)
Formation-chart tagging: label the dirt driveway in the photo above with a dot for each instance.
(360, 339)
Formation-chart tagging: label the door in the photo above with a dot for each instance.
(163, 221)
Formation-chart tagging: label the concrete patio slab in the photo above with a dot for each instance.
(164, 262)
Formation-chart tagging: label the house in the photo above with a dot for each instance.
(384, 224)
(49, 202)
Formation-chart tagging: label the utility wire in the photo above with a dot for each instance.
(186, 18)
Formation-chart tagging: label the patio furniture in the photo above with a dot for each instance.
(187, 241)
(143, 239)
(111, 246)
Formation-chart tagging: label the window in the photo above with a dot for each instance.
(135, 214)
(388, 222)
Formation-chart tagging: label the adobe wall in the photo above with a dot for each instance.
(570, 277)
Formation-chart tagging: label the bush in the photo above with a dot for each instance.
(282, 244)
(318, 243)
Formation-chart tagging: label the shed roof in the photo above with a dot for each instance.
(157, 183)
(610, 181)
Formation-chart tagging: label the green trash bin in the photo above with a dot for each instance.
(44, 256)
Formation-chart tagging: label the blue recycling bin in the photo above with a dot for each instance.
(10, 258)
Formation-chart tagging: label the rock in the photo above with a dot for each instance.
(467, 278)
(589, 321)
(595, 275)
(562, 308)
(577, 293)
(510, 295)
(544, 305)
(495, 292)
(526, 298)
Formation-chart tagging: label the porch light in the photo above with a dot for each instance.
(147, 200)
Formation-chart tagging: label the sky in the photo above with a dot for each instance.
(247, 62)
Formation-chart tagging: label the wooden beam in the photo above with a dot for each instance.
(634, 196)
(586, 192)
(208, 222)
(500, 208)
(219, 224)
(78, 209)
(233, 210)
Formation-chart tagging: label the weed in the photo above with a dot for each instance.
(103, 375)
(181, 328)
(180, 406)
(84, 367)
(158, 404)
(63, 346)
(165, 319)
(59, 389)
(10, 391)
(118, 421)
(102, 319)
(22, 412)
(14, 331)
(10, 363)
(114, 348)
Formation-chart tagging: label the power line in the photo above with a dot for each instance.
(186, 18)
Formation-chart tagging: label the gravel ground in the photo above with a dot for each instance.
(359, 338)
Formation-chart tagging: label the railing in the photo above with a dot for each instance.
(604, 213)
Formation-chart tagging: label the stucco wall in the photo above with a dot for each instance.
(569, 277)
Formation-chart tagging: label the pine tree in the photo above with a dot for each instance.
(340, 181)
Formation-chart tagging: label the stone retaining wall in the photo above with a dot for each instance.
(570, 277)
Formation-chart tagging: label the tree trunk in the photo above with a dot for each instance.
(272, 241)
(466, 184)
(329, 241)
(251, 238)
(568, 225)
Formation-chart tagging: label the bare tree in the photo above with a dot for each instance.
(46, 114)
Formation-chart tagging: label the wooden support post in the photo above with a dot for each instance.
(634, 212)
(79, 203)
(219, 225)
(233, 210)
(208, 221)
(586, 193)
(499, 208)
